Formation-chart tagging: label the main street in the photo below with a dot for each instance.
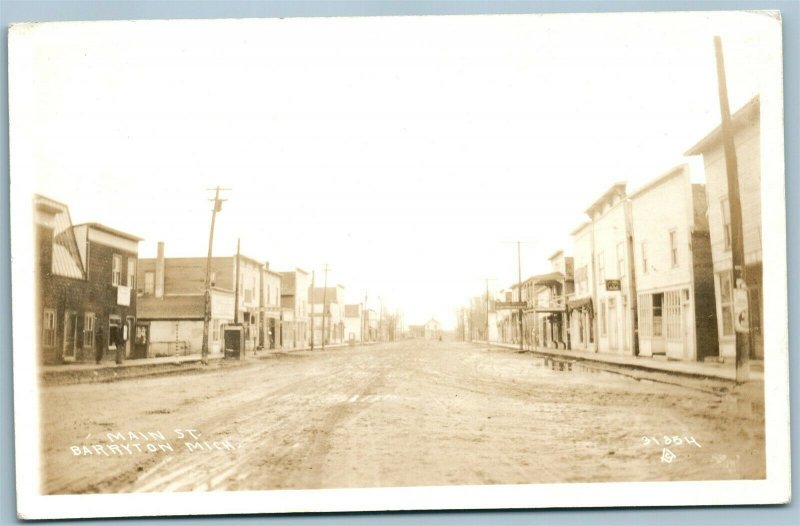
(414, 412)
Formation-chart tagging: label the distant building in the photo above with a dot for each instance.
(416, 331)
(327, 304)
(172, 301)
(581, 304)
(295, 327)
(674, 274)
(86, 279)
(546, 298)
(615, 287)
(270, 309)
(747, 140)
(354, 329)
(433, 330)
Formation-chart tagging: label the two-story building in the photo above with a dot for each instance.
(171, 306)
(295, 327)
(673, 268)
(86, 276)
(354, 329)
(615, 294)
(747, 141)
(270, 309)
(327, 308)
(580, 303)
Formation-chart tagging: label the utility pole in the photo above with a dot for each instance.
(207, 306)
(487, 314)
(236, 289)
(364, 318)
(519, 284)
(380, 320)
(324, 303)
(737, 235)
(313, 328)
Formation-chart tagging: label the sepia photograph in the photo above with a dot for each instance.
(287, 265)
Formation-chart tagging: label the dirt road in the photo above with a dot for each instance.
(400, 414)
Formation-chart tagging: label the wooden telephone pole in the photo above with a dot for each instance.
(324, 303)
(207, 307)
(737, 235)
(519, 284)
(313, 328)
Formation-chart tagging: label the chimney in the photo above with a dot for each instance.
(159, 292)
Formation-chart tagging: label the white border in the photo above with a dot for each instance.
(775, 489)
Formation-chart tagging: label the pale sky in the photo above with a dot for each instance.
(405, 152)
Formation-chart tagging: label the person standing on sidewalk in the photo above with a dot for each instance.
(99, 344)
(120, 345)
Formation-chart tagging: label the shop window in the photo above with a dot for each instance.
(49, 328)
(672, 314)
(88, 329)
(658, 301)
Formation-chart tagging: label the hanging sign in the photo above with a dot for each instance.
(613, 284)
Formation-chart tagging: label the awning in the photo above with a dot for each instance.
(580, 303)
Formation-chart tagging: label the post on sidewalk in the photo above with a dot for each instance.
(741, 312)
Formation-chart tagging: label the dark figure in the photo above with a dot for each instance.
(120, 344)
(99, 345)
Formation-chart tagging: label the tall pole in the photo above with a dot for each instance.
(380, 320)
(236, 289)
(324, 303)
(207, 306)
(519, 284)
(313, 293)
(487, 313)
(734, 202)
(364, 326)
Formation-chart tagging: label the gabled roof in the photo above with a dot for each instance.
(66, 257)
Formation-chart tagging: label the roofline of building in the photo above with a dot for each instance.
(109, 230)
(669, 174)
(620, 185)
(580, 228)
(557, 253)
(714, 135)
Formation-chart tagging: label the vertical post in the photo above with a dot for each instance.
(380, 320)
(487, 313)
(519, 284)
(207, 307)
(734, 201)
(364, 326)
(236, 288)
(236, 298)
(324, 304)
(311, 298)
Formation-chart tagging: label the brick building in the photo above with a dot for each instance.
(86, 277)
